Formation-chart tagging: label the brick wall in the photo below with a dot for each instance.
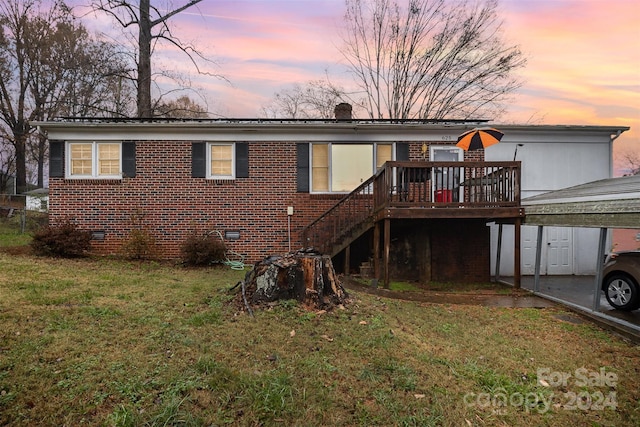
(164, 199)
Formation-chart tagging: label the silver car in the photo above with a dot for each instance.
(620, 280)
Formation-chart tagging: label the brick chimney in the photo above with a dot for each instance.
(343, 111)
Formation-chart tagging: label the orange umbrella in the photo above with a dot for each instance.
(478, 138)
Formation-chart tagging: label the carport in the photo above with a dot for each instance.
(604, 204)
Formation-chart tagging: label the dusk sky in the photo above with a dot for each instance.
(583, 56)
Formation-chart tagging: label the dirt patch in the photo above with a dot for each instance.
(570, 318)
(515, 298)
(16, 250)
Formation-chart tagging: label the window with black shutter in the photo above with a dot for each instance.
(129, 159)
(302, 160)
(216, 160)
(56, 159)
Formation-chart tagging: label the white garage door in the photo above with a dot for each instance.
(557, 250)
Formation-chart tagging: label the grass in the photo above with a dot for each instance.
(11, 234)
(113, 343)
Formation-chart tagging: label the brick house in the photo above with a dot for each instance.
(262, 183)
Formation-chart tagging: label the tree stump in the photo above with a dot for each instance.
(305, 276)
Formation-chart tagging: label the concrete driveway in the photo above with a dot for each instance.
(577, 291)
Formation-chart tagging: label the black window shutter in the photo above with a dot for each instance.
(129, 159)
(56, 159)
(302, 159)
(242, 160)
(198, 159)
(402, 151)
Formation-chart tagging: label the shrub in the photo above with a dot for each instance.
(140, 244)
(65, 240)
(202, 250)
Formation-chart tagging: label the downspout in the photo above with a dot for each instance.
(611, 139)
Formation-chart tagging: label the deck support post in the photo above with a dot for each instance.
(376, 250)
(387, 244)
(347, 260)
(516, 254)
(498, 252)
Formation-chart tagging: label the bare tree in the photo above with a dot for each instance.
(6, 163)
(632, 162)
(314, 100)
(73, 75)
(152, 25)
(432, 59)
(46, 60)
(183, 108)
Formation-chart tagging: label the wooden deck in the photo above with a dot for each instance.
(420, 190)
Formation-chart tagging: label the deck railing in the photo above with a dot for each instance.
(415, 185)
(448, 184)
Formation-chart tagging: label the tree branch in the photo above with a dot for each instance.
(174, 12)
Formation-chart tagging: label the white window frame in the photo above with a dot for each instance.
(210, 175)
(94, 161)
(450, 148)
(330, 165)
(434, 148)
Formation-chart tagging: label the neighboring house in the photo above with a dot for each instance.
(7, 183)
(9, 201)
(262, 182)
(37, 200)
(625, 239)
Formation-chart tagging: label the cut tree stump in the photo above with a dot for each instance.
(305, 276)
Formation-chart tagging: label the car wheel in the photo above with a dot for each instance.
(622, 292)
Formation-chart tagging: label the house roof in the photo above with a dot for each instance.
(607, 203)
(39, 192)
(311, 130)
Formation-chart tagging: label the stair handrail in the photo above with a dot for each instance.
(352, 210)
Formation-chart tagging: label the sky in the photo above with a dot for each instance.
(583, 56)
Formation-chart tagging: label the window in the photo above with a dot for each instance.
(108, 159)
(337, 167)
(94, 160)
(220, 161)
(320, 167)
(383, 154)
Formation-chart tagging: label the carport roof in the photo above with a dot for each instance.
(607, 203)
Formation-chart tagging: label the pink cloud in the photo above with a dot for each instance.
(584, 63)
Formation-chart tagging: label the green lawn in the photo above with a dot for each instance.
(107, 342)
(10, 234)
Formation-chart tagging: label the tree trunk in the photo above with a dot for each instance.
(306, 277)
(144, 61)
(20, 148)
